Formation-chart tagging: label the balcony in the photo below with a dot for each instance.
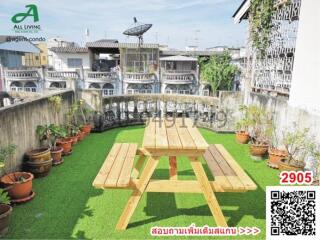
(22, 75)
(178, 78)
(143, 78)
(100, 76)
(62, 75)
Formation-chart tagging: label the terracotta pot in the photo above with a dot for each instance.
(39, 155)
(242, 137)
(258, 150)
(74, 140)
(5, 212)
(39, 169)
(16, 189)
(275, 157)
(56, 154)
(80, 135)
(86, 129)
(66, 144)
(286, 167)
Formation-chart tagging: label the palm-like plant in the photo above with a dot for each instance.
(50, 133)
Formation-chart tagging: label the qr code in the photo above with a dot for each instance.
(292, 211)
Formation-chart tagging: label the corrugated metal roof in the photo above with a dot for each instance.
(69, 49)
(20, 46)
(179, 58)
(105, 44)
(186, 53)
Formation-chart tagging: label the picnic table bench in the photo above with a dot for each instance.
(166, 139)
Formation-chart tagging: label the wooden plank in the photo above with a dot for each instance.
(124, 178)
(106, 166)
(137, 168)
(175, 152)
(161, 134)
(179, 186)
(208, 192)
(216, 171)
(184, 135)
(196, 135)
(246, 180)
(226, 169)
(149, 138)
(173, 136)
(173, 173)
(137, 193)
(114, 174)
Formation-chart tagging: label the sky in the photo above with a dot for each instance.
(206, 23)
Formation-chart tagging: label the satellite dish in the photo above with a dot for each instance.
(137, 30)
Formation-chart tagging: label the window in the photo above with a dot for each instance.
(74, 62)
(37, 58)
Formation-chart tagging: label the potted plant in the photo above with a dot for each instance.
(73, 132)
(297, 145)
(85, 114)
(261, 128)
(242, 133)
(276, 154)
(5, 212)
(18, 184)
(65, 142)
(51, 133)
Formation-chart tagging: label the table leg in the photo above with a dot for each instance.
(208, 192)
(173, 168)
(137, 193)
(138, 166)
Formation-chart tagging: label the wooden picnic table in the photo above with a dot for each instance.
(171, 138)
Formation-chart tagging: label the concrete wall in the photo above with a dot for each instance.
(305, 88)
(285, 115)
(18, 124)
(59, 61)
(229, 103)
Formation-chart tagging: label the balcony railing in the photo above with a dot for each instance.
(121, 110)
(31, 75)
(62, 75)
(178, 78)
(139, 77)
(23, 89)
(101, 76)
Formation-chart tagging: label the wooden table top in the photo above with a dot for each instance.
(173, 134)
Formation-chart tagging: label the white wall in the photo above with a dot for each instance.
(59, 61)
(305, 89)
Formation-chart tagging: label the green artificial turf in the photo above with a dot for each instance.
(67, 206)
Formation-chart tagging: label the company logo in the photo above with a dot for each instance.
(32, 12)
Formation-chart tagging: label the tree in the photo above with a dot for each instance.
(218, 71)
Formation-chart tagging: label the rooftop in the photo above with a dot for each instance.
(110, 44)
(67, 206)
(179, 58)
(69, 49)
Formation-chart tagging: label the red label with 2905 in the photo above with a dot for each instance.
(293, 177)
